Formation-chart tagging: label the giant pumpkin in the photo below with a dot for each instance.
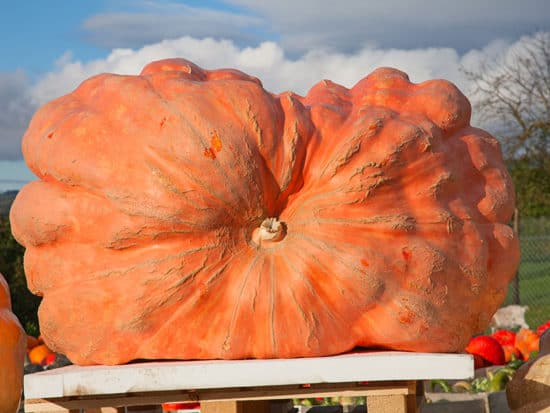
(190, 214)
(13, 345)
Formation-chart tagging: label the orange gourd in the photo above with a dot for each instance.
(39, 353)
(190, 214)
(527, 342)
(13, 344)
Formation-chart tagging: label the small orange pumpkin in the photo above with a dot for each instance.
(511, 352)
(38, 353)
(262, 225)
(527, 341)
(13, 343)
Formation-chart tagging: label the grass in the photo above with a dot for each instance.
(534, 291)
(534, 271)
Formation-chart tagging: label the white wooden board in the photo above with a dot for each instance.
(213, 374)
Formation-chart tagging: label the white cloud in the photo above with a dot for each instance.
(16, 112)
(151, 23)
(343, 26)
(349, 25)
(266, 61)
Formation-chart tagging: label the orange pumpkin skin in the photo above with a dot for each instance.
(13, 345)
(143, 230)
(527, 342)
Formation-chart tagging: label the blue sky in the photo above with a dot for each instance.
(49, 47)
(33, 41)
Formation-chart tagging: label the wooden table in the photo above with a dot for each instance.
(388, 379)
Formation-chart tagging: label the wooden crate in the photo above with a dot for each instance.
(389, 380)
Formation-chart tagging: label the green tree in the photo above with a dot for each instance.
(532, 185)
(512, 93)
(24, 303)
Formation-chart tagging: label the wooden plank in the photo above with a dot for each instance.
(147, 408)
(403, 388)
(219, 407)
(313, 390)
(95, 410)
(59, 409)
(395, 402)
(415, 396)
(390, 403)
(254, 406)
(213, 374)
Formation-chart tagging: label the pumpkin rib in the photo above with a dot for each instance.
(242, 339)
(216, 195)
(272, 312)
(305, 320)
(221, 94)
(290, 165)
(347, 247)
(239, 198)
(325, 248)
(128, 355)
(194, 298)
(231, 326)
(300, 205)
(390, 223)
(190, 276)
(376, 287)
(294, 312)
(113, 272)
(310, 287)
(222, 197)
(325, 320)
(312, 281)
(165, 181)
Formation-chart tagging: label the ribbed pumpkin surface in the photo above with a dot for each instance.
(142, 231)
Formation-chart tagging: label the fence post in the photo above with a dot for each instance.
(515, 282)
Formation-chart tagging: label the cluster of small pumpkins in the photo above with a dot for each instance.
(504, 345)
(38, 353)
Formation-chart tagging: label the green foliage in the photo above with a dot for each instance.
(6, 199)
(511, 95)
(24, 303)
(532, 183)
(495, 379)
(331, 401)
(534, 293)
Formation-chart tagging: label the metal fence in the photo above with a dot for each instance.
(532, 287)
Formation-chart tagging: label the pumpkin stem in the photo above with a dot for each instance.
(270, 230)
